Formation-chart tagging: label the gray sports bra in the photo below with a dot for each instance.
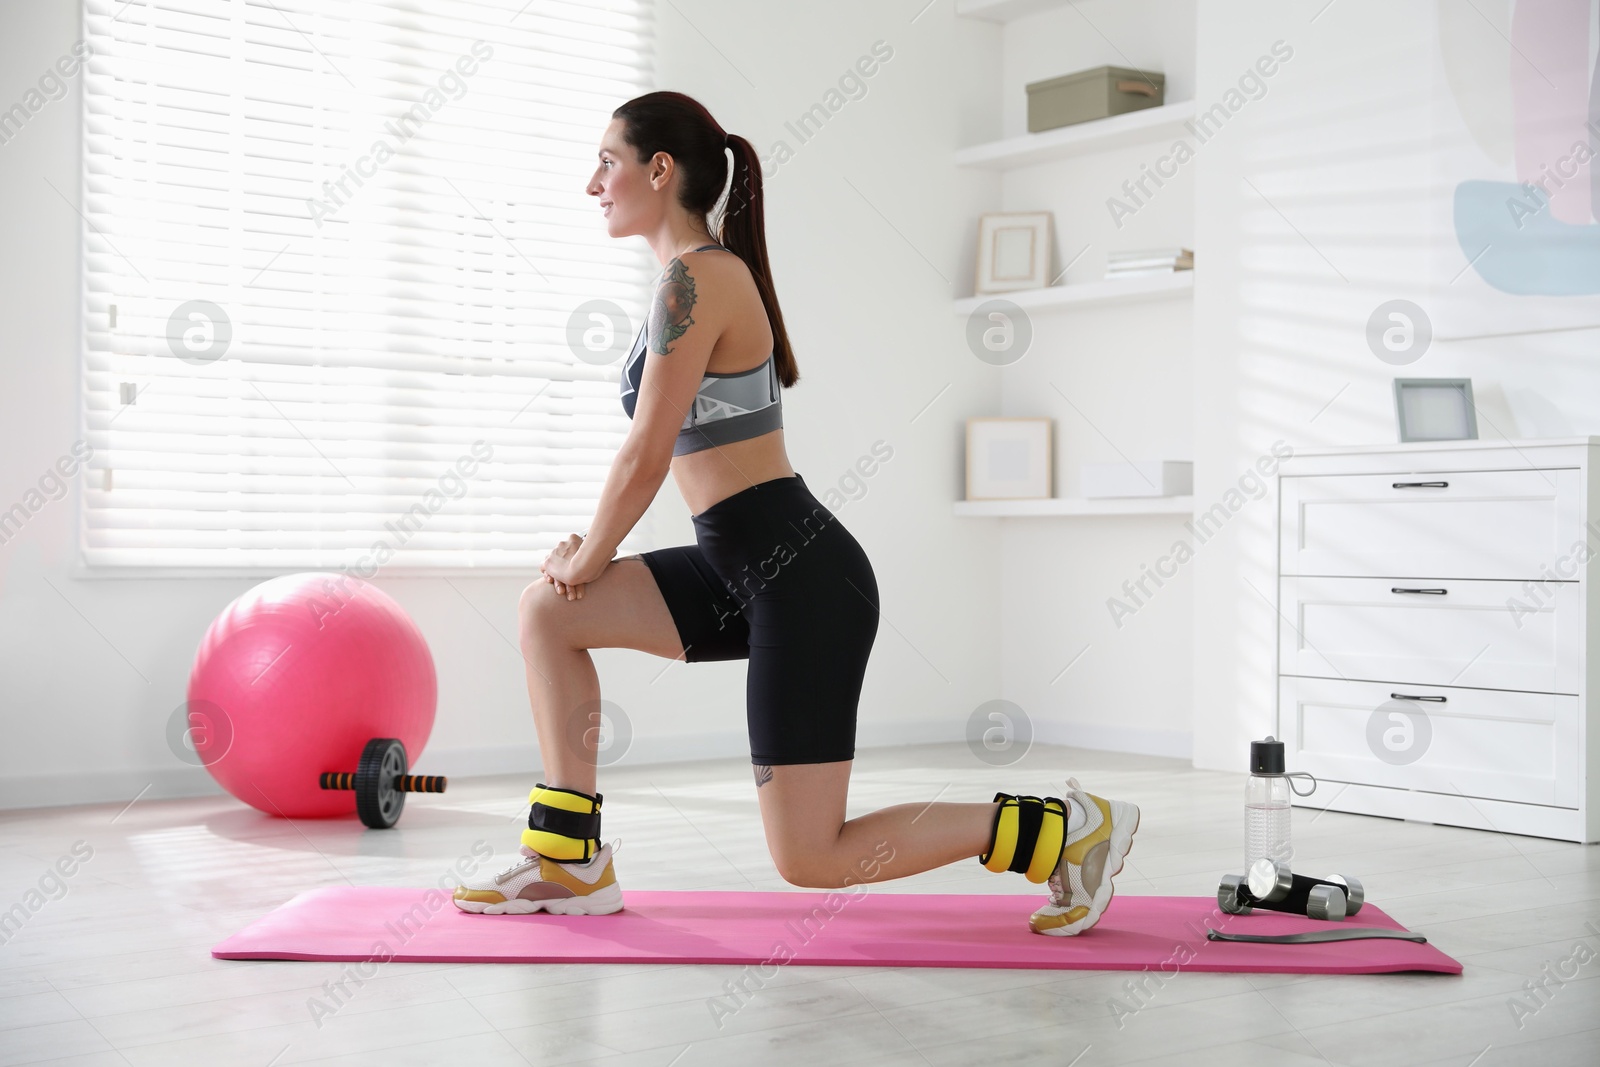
(728, 407)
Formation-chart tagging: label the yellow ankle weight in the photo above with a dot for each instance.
(564, 824)
(1027, 836)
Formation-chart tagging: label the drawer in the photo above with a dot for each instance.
(1456, 524)
(1434, 631)
(1462, 742)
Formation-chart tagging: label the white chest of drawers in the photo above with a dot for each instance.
(1434, 656)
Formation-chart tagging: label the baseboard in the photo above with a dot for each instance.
(1177, 744)
(175, 783)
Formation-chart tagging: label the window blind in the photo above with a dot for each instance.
(335, 253)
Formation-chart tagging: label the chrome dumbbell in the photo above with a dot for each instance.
(1232, 896)
(1270, 884)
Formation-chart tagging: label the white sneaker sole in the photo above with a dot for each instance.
(600, 902)
(1124, 824)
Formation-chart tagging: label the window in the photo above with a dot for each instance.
(334, 253)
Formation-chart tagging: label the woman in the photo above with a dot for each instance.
(773, 577)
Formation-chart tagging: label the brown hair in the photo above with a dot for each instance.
(680, 126)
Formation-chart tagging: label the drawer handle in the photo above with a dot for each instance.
(1408, 696)
(1422, 485)
(1430, 592)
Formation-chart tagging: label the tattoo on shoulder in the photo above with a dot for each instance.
(763, 774)
(669, 314)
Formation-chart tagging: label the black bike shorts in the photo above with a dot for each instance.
(775, 578)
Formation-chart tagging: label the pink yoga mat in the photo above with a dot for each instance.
(835, 929)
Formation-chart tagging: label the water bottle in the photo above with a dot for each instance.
(1266, 803)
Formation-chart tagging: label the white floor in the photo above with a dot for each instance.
(117, 970)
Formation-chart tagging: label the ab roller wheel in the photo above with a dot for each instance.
(381, 783)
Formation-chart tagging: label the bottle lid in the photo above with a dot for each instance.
(1266, 757)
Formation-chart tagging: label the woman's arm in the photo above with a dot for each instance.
(631, 484)
(684, 326)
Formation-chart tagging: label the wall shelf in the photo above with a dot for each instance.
(1135, 127)
(1141, 287)
(1067, 506)
(1004, 10)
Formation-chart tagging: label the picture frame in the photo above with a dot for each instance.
(1435, 409)
(1008, 459)
(1013, 251)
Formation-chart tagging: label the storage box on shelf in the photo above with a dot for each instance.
(1144, 478)
(1086, 95)
(1434, 660)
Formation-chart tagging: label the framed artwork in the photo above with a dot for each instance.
(1435, 409)
(1008, 459)
(1013, 251)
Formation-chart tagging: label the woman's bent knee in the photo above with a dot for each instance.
(814, 869)
(537, 611)
(808, 875)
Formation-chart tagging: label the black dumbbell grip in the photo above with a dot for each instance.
(1286, 882)
(1295, 901)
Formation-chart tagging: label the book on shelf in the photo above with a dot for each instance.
(1131, 264)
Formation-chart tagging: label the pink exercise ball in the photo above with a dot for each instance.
(295, 677)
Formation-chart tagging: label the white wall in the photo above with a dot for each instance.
(1116, 383)
(865, 252)
(1329, 195)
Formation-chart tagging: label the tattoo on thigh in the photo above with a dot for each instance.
(763, 774)
(619, 559)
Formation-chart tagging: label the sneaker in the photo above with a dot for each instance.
(538, 883)
(1092, 855)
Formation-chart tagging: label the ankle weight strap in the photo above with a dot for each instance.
(564, 824)
(1027, 836)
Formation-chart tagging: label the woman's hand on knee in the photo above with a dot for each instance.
(571, 592)
(559, 555)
